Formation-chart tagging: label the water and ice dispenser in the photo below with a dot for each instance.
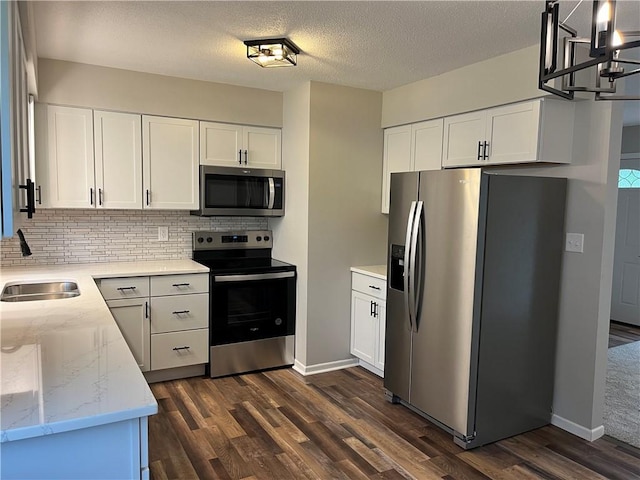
(396, 268)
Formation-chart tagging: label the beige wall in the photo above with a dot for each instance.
(500, 80)
(332, 150)
(346, 227)
(77, 84)
(291, 232)
(591, 205)
(631, 139)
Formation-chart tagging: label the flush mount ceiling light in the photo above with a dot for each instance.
(604, 52)
(273, 52)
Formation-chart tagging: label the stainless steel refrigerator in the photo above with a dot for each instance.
(472, 299)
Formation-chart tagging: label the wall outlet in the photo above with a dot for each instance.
(163, 234)
(575, 242)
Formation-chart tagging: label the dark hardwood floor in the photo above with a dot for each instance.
(281, 425)
(622, 333)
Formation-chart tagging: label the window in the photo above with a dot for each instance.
(629, 178)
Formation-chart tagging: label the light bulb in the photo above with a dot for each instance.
(617, 39)
(604, 14)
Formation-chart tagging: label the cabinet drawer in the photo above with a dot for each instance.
(179, 312)
(179, 284)
(123, 287)
(167, 349)
(373, 286)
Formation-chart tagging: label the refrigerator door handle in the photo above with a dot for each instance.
(407, 264)
(414, 280)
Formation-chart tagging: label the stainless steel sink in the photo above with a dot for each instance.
(27, 292)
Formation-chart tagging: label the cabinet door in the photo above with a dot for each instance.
(426, 145)
(170, 163)
(363, 327)
(131, 315)
(262, 148)
(118, 159)
(512, 133)
(463, 138)
(221, 144)
(70, 176)
(396, 158)
(382, 321)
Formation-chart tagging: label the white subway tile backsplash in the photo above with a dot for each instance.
(90, 236)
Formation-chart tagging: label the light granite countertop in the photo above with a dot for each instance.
(64, 363)
(377, 271)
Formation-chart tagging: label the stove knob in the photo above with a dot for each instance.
(200, 239)
(258, 239)
(209, 239)
(266, 238)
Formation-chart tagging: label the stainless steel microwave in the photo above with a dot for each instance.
(245, 192)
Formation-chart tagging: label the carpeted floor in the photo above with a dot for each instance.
(622, 394)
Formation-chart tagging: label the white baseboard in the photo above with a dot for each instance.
(578, 430)
(324, 367)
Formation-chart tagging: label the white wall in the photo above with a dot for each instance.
(77, 84)
(591, 205)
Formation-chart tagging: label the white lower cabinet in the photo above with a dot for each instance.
(368, 315)
(111, 450)
(164, 318)
(132, 317)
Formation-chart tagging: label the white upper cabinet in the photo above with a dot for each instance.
(535, 131)
(240, 146)
(88, 159)
(396, 158)
(170, 163)
(410, 148)
(118, 160)
(65, 168)
(426, 145)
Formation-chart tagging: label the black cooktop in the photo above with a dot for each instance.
(239, 252)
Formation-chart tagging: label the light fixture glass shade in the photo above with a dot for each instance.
(273, 52)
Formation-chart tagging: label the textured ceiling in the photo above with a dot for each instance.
(377, 45)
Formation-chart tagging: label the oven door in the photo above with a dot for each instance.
(252, 306)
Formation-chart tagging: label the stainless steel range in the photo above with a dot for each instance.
(252, 309)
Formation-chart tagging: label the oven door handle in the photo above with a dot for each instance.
(257, 276)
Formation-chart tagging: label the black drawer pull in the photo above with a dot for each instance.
(126, 288)
(180, 312)
(374, 287)
(181, 348)
(180, 284)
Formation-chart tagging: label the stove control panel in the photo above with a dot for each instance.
(210, 240)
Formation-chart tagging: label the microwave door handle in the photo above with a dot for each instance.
(271, 198)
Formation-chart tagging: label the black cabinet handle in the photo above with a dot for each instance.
(39, 194)
(146, 309)
(91, 196)
(180, 312)
(180, 284)
(479, 149)
(148, 196)
(30, 207)
(240, 157)
(485, 151)
(246, 157)
(374, 287)
(125, 288)
(100, 196)
(181, 348)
